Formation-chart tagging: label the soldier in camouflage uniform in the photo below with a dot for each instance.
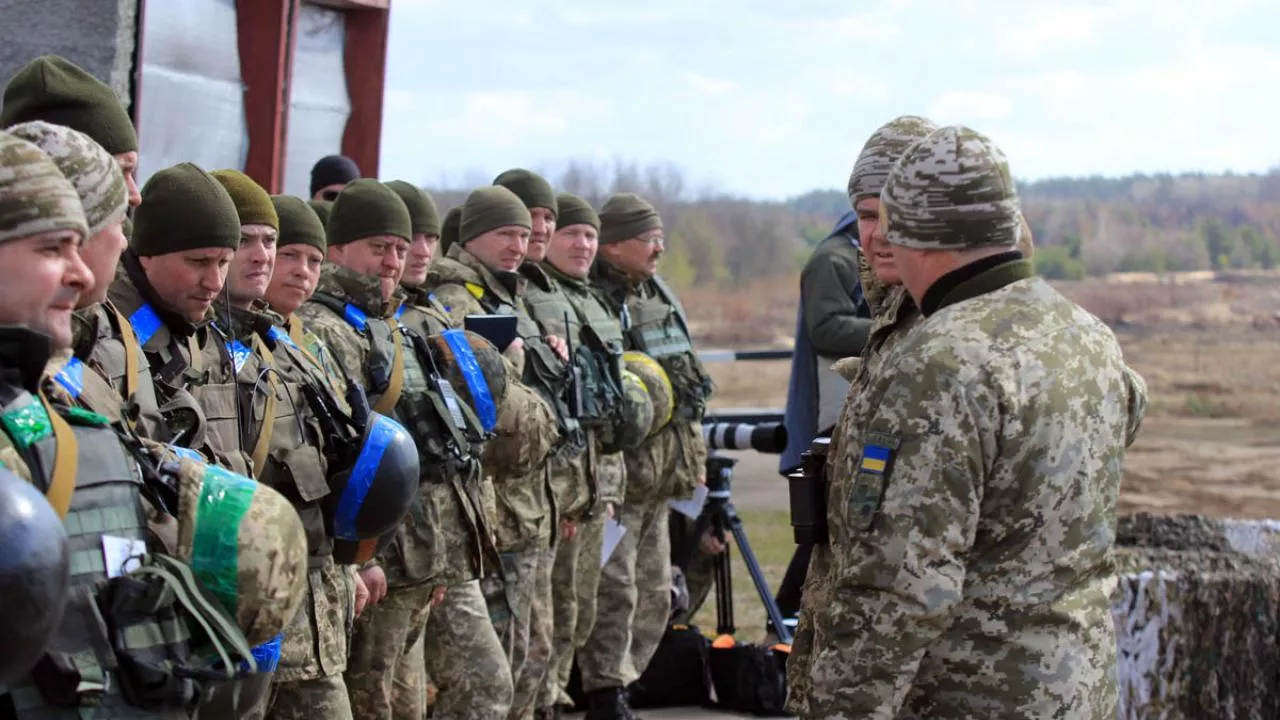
(634, 597)
(54, 90)
(977, 474)
(587, 489)
(480, 275)
(354, 313)
(283, 439)
(66, 452)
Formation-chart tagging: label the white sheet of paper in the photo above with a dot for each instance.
(121, 555)
(613, 532)
(693, 506)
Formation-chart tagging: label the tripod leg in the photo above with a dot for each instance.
(757, 575)
(724, 594)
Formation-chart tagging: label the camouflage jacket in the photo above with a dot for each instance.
(105, 342)
(445, 538)
(464, 286)
(173, 349)
(594, 479)
(972, 515)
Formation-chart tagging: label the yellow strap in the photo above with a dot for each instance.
(263, 444)
(65, 462)
(388, 401)
(132, 359)
(193, 348)
(299, 339)
(476, 290)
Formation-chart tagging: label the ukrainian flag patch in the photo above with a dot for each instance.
(875, 459)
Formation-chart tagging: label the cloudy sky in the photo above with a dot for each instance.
(770, 98)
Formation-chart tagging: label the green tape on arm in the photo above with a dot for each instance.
(215, 548)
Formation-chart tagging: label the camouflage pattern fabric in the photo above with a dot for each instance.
(575, 578)
(34, 196)
(316, 642)
(322, 697)
(531, 675)
(633, 601)
(881, 151)
(93, 172)
(699, 578)
(972, 517)
(951, 190)
(464, 659)
(384, 679)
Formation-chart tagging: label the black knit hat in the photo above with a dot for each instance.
(58, 91)
(333, 170)
(532, 189)
(186, 209)
(366, 208)
(422, 208)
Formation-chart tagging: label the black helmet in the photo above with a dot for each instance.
(34, 573)
(372, 496)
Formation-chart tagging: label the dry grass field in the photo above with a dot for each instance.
(1208, 348)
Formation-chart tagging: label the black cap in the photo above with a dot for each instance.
(333, 170)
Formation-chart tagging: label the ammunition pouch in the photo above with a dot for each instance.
(551, 378)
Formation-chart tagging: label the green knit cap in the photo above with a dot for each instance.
(624, 216)
(575, 211)
(253, 204)
(186, 209)
(532, 189)
(299, 224)
(34, 196)
(366, 208)
(450, 227)
(91, 169)
(322, 208)
(423, 214)
(489, 208)
(56, 90)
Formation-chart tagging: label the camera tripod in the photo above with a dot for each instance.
(724, 517)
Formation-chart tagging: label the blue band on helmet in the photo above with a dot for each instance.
(355, 317)
(383, 431)
(481, 399)
(266, 655)
(71, 377)
(145, 323)
(400, 311)
(215, 546)
(183, 452)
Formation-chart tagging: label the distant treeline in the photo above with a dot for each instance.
(1082, 226)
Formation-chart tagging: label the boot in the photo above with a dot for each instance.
(608, 704)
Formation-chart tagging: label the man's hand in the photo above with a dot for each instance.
(558, 345)
(568, 529)
(608, 510)
(362, 593)
(711, 545)
(376, 582)
(702, 479)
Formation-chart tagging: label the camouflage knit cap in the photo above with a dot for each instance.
(625, 216)
(56, 90)
(322, 209)
(366, 208)
(253, 204)
(489, 208)
(96, 176)
(34, 196)
(575, 211)
(184, 208)
(881, 151)
(951, 191)
(299, 224)
(423, 214)
(532, 189)
(450, 228)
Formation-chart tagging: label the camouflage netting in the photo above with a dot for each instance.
(1198, 617)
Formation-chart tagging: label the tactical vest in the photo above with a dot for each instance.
(544, 370)
(656, 326)
(106, 507)
(117, 354)
(598, 354)
(446, 431)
